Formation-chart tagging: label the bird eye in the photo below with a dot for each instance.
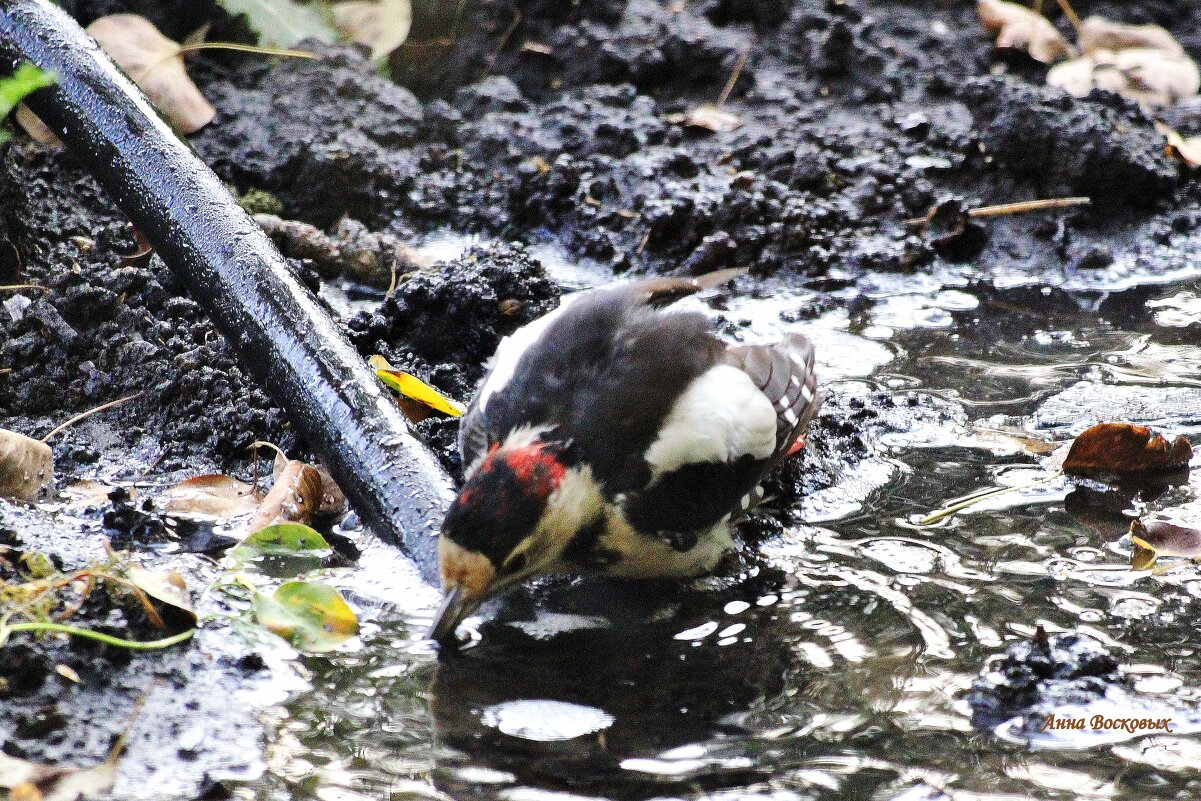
(517, 563)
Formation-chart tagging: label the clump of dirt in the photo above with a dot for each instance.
(1107, 149)
(328, 138)
(445, 323)
(545, 46)
(105, 327)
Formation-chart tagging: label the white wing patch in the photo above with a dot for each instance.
(512, 348)
(720, 417)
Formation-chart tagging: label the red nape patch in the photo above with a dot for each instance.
(796, 447)
(536, 468)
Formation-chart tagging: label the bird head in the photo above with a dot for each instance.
(500, 529)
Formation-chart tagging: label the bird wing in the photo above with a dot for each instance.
(785, 374)
(540, 372)
(732, 426)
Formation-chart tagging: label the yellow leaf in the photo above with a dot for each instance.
(414, 388)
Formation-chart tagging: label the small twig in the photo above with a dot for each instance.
(972, 500)
(258, 443)
(241, 48)
(734, 75)
(508, 34)
(1002, 209)
(395, 280)
(84, 415)
(642, 244)
(114, 755)
(254, 446)
(1071, 14)
(1023, 206)
(20, 287)
(88, 634)
(245, 48)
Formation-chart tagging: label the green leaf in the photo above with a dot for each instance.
(313, 617)
(283, 23)
(14, 88)
(282, 539)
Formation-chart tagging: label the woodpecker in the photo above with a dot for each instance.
(616, 435)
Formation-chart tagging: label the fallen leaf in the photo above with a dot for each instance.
(1019, 28)
(382, 25)
(1152, 78)
(32, 124)
(213, 495)
(1157, 538)
(1185, 150)
(167, 587)
(1124, 448)
(294, 497)
(421, 396)
(313, 617)
(282, 539)
(26, 466)
(711, 118)
(35, 782)
(1098, 33)
(332, 502)
(154, 63)
(83, 494)
(141, 256)
(282, 23)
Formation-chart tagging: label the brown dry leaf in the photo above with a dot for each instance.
(166, 587)
(32, 124)
(382, 25)
(208, 496)
(1152, 78)
(153, 62)
(294, 498)
(26, 466)
(1019, 28)
(1157, 538)
(1125, 449)
(34, 782)
(1098, 33)
(332, 502)
(141, 256)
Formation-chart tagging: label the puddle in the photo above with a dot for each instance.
(837, 665)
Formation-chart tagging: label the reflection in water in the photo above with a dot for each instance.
(833, 662)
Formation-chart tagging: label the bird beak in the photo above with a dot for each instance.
(467, 581)
(456, 605)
